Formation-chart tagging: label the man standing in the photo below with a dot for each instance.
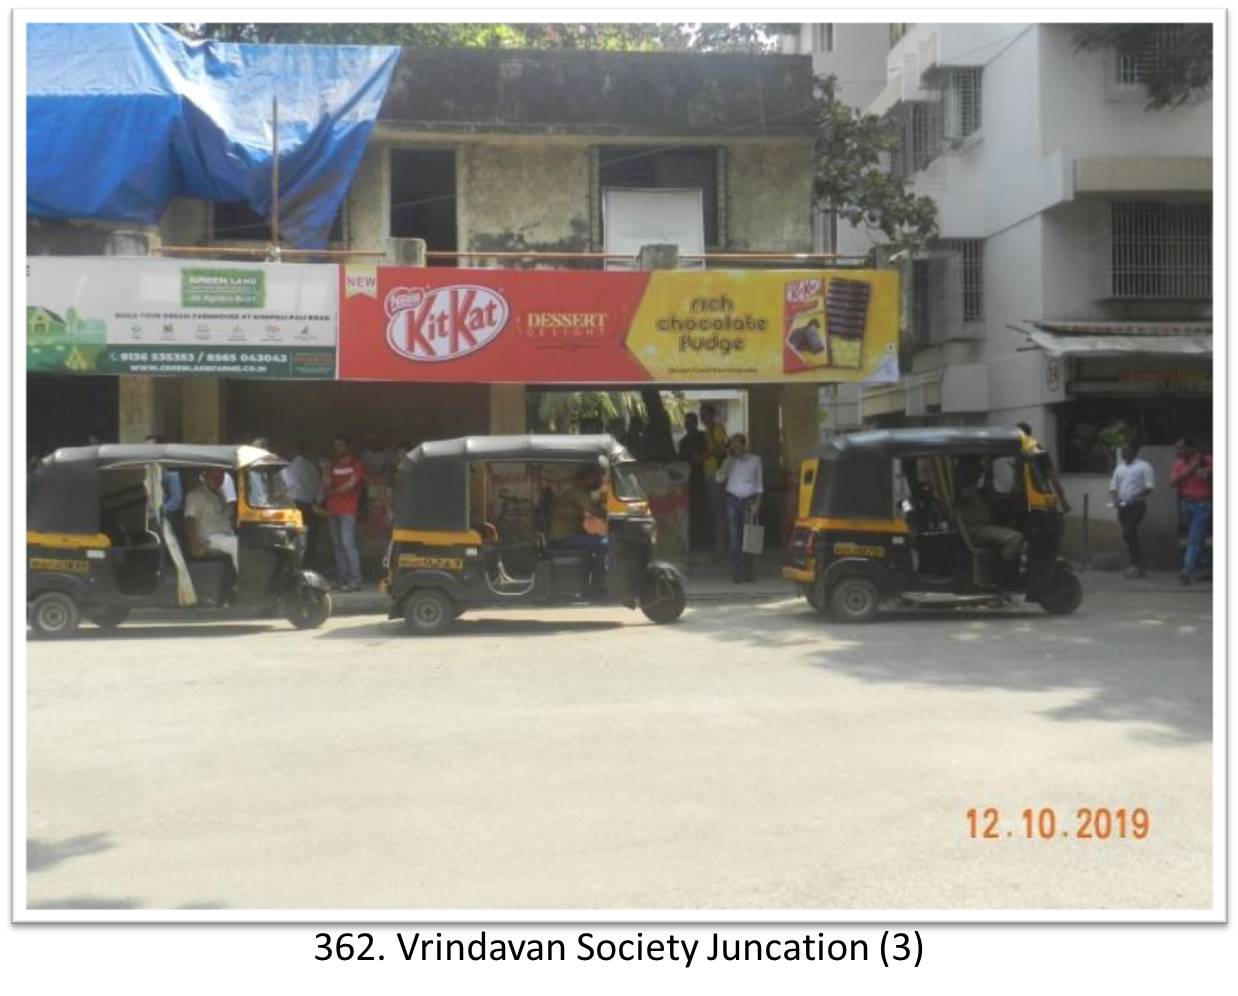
(1192, 476)
(1132, 483)
(208, 521)
(692, 450)
(741, 475)
(715, 493)
(343, 497)
(304, 484)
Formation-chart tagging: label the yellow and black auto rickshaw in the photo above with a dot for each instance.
(101, 540)
(929, 517)
(475, 527)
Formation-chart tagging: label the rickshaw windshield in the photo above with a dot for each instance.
(265, 488)
(624, 482)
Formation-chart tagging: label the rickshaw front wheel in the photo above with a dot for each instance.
(1065, 596)
(663, 600)
(108, 616)
(428, 612)
(54, 614)
(854, 599)
(311, 608)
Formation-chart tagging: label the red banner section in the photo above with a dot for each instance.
(585, 327)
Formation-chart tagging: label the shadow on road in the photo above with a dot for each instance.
(44, 854)
(160, 632)
(86, 903)
(1128, 663)
(466, 627)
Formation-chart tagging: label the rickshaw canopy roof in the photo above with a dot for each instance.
(177, 454)
(896, 444)
(63, 493)
(854, 475)
(432, 479)
(527, 447)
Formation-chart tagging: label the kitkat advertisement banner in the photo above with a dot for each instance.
(596, 327)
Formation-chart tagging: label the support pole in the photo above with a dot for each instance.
(275, 175)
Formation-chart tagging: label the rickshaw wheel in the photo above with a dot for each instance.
(310, 609)
(108, 616)
(428, 612)
(663, 601)
(815, 593)
(1065, 596)
(54, 614)
(854, 599)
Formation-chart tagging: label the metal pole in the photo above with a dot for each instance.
(1087, 559)
(275, 173)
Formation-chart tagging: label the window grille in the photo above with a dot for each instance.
(961, 102)
(823, 38)
(914, 127)
(936, 297)
(896, 32)
(971, 261)
(1161, 250)
(1135, 65)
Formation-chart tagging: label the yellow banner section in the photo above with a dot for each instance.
(764, 325)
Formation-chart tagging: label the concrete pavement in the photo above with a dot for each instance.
(750, 756)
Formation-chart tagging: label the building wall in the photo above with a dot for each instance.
(769, 191)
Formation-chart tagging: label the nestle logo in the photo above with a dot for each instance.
(432, 324)
(798, 291)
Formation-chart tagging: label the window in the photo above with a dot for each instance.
(823, 38)
(960, 94)
(914, 127)
(654, 168)
(236, 221)
(971, 258)
(1134, 66)
(896, 32)
(1161, 250)
(423, 198)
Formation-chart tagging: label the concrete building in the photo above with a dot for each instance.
(479, 152)
(1071, 287)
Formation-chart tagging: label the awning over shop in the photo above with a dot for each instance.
(1121, 338)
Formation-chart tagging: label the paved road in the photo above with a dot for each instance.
(749, 757)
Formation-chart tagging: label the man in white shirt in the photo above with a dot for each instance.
(208, 520)
(1132, 483)
(741, 474)
(303, 480)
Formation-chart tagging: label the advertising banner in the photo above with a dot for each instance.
(591, 327)
(105, 315)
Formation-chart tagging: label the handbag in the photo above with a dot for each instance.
(754, 534)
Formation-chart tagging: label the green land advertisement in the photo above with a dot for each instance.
(92, 315)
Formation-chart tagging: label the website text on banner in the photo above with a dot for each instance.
(577, 327)
(91, 315)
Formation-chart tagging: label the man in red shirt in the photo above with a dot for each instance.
(1192, 476)
(343, 498)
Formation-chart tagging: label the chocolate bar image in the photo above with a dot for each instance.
(807, 338)
(846, 302)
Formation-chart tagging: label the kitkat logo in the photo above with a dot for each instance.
(432, 324)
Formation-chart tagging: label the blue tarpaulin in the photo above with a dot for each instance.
(121, 118)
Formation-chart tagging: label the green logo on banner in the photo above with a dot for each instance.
(203, 287)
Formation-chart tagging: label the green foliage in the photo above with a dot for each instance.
(1182, 66)
(852, 176)
(1116, 435)
(597, 37)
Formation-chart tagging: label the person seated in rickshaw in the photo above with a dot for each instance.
(208, 520)
(567, 529)
(977, 518)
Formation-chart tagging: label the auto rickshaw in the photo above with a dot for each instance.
(472, 529)
(100, 544)
(880, 517)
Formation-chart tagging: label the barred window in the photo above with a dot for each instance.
(896, 32)
(971, 259)
(1161, 250)
(961, 102)
(1135, 65)
(914, 127)
(823, 38)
